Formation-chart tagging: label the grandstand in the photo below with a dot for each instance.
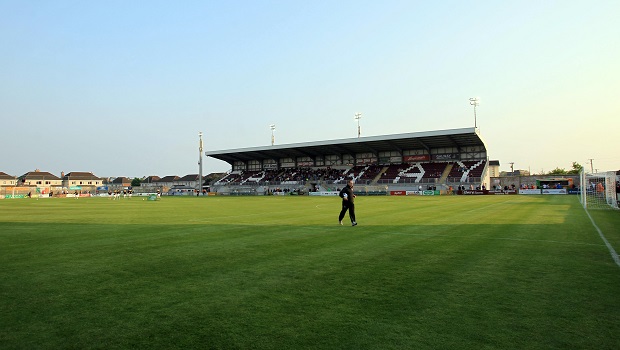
(433, 159)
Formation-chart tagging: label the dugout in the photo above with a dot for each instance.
(552, 182)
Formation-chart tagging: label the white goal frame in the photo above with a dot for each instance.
(598, 190)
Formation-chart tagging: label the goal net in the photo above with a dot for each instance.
(598, 190)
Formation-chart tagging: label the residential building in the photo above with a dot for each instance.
(167, 182)
(81, 179)
(7, 180)
(39, 178)
(118, 183)
(188, 181)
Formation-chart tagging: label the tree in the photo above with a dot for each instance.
(576, 168)
(561, 171)
(558, 171)
(135, 182)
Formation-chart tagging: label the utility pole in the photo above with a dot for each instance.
(200, 164)
(358, 116)
(512, 168)
(273, 139)
(591, 166)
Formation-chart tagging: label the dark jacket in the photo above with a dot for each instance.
(349, 191)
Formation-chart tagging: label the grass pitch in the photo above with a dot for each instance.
(488, 272)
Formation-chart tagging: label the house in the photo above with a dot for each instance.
(7, 180)
(39, 178)
(150, 182)
(167, 182)
(81, 179)
(188, 181)
(118, 183)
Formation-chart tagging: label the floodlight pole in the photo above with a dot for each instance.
(273, 139)
(200, 164)
(475, 101)
(358, 116)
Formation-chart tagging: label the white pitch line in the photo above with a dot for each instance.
(612, 251)
(494, 238)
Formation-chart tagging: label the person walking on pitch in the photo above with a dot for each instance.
(348, 203)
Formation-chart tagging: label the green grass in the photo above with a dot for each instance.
(488, 272)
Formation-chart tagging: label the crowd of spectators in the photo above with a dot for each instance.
(309, 174)
(363, 173)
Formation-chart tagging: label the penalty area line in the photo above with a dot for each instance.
(612, 251)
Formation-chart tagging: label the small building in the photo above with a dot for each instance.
(493, 168)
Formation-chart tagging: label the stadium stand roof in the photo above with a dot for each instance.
(398, 142)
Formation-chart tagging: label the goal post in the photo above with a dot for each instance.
(598, 190)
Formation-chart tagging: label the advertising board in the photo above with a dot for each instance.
(554, 191)
(529, 191)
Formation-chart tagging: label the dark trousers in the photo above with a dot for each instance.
(350, 206)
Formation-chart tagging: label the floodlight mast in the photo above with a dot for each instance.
(273, 139)
(357, 117)
(200, 164)
(475, 101)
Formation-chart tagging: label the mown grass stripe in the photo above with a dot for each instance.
(611, 249)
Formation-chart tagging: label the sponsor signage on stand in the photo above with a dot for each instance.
(416, 158)
(447, 156)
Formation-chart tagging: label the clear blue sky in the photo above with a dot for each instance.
(122, 88)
